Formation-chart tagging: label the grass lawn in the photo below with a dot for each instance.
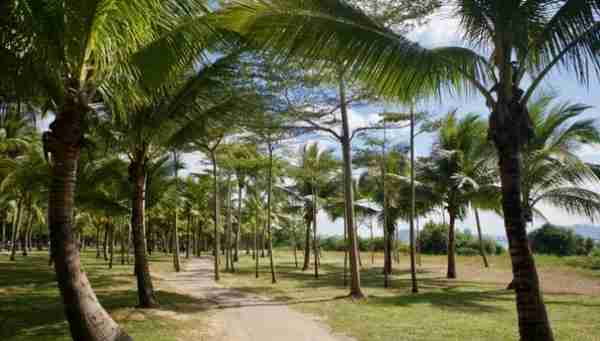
(474, 307)
(31, 308)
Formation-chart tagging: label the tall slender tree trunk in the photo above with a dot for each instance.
(372, 244)
(413, 267)
(87, 319)
(238, 232)
(307, 245)
(451, 273)
(176, 258)
(3, 244)
(345, 251)
(387, 257)
(129, 235)
(145, 288)
(216, 212)
(122, 241)
(295, 245)
(98, 241)
(111, 228)
(16, 228)
(418, 242)
(256, 244)
(269, 195)
(25, 232)
(228, 227)
(188, 238)
(355, 288)
(315, 245)
(105, 244)
(480, 237)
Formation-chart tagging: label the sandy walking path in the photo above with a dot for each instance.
(245, 317)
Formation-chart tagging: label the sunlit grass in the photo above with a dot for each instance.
(463, 309)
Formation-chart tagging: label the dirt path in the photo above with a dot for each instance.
(244, 317)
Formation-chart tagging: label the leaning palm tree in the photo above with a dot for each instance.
(522, 37)
(74, 49)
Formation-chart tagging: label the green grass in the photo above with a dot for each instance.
(463, 309)
(31, 308)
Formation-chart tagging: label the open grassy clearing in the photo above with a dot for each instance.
(31, 308)
(474, 307)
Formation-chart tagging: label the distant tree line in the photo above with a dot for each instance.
(555, 240)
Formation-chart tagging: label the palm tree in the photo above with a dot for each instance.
(313, 181)
(74, 50)
(459, 144)
(552, 172)
(523, 37)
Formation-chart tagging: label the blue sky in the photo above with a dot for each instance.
(444, 31)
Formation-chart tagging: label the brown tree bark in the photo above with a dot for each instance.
(105, 244)
(451, 271)
(98, 241)
(176, 258)
(145, 288)
(111, 246)
(510, 128)
(307, 245)
(216, 213)
(387, 255)
(88, 321)
(315, 245)
(533, 318)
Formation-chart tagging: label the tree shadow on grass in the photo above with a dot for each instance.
(40, 315)
(449, 298)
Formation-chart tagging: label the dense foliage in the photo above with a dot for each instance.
(556, 240)
(434, 240)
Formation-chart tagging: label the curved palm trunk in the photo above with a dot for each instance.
(451, 273)
(145, 288)
(269, 199)
(355, 289)
(480, 237)
(87, 318)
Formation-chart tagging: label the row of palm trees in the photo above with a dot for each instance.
(88, 58)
